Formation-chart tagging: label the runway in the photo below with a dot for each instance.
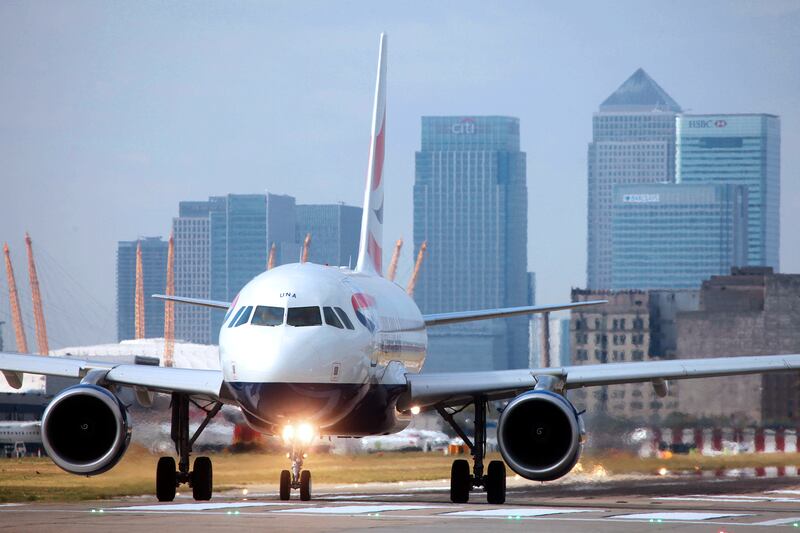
(608, 505)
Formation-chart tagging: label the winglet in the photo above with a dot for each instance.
(370, 249)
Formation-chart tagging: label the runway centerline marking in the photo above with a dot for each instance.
(358, 509)
(514, 512)
(677, 516)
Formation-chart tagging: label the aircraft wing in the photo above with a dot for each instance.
(440, 319)
(216, 304)
(207, 383)
(458, 387)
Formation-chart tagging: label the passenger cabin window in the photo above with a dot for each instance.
(266, 315)
(344, 317)
(303, 316)
(331, 319)
(244, 317)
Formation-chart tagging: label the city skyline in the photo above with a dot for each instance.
(134, 114)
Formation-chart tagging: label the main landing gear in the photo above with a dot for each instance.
(462, 481)
(299, 438)
(201, 477)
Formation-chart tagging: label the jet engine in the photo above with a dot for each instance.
(540, 435)
(85, 430)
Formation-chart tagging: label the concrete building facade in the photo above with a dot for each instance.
(190, 230)
(470, 205)
(634, 326)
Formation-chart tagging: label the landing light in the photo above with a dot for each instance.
(301, 434)
(305, 433)
(415, 410)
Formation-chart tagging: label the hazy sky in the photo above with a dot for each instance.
(112, 112)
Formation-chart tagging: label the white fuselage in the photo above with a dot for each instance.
(289, 356)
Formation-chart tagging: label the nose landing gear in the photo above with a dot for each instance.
(461, 480)
(296, 478)
(201, 478)
(299, 439)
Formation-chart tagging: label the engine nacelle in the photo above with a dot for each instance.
(540, 435)
(85, 430)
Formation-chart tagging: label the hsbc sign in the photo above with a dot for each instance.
(708, 123)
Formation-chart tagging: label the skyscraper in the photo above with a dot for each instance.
(238, 231)
(674, 236)
(470, 204)
(154, 271)
(192, 270)
(281, 218)
(741, 149)
(334, 230)
(633, 141)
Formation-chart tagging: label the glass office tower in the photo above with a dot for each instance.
(633, 141)
(671, 236)
(154, 274)
(238, 231)
(334, 229)
(470, 205)
(741, 149)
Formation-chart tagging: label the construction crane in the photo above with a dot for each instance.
(271, 259)
(395, 257)
(36, 296)
(306, 246)
(13, 296)
(139, 294)
(412, 283)
(169, 306)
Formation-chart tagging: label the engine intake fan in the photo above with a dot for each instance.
(540, 435)
(85, 429)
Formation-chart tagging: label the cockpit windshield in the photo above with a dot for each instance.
(303, 316)
(266, 315)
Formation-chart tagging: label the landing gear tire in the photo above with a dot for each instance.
(166, 479)
(305, 485)
(286, 485)
(460, 481)
(496, 483)
(202, 479)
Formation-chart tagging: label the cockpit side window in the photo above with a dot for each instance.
(244, 317)
(236, 317)
(331, 319)
(266, 315)
(344, 317)
(303, 316)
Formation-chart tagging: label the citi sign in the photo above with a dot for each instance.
(464, 127)
(719, 123)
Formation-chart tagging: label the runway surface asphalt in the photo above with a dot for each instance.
(627, 503)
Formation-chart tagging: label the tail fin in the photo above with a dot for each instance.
(370, 249)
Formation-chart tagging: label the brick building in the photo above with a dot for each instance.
(752, 311)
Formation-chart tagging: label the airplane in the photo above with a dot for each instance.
(17, 436)
(310, 350)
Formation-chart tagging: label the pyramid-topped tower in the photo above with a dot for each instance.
(633, 142)
(640, 92)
